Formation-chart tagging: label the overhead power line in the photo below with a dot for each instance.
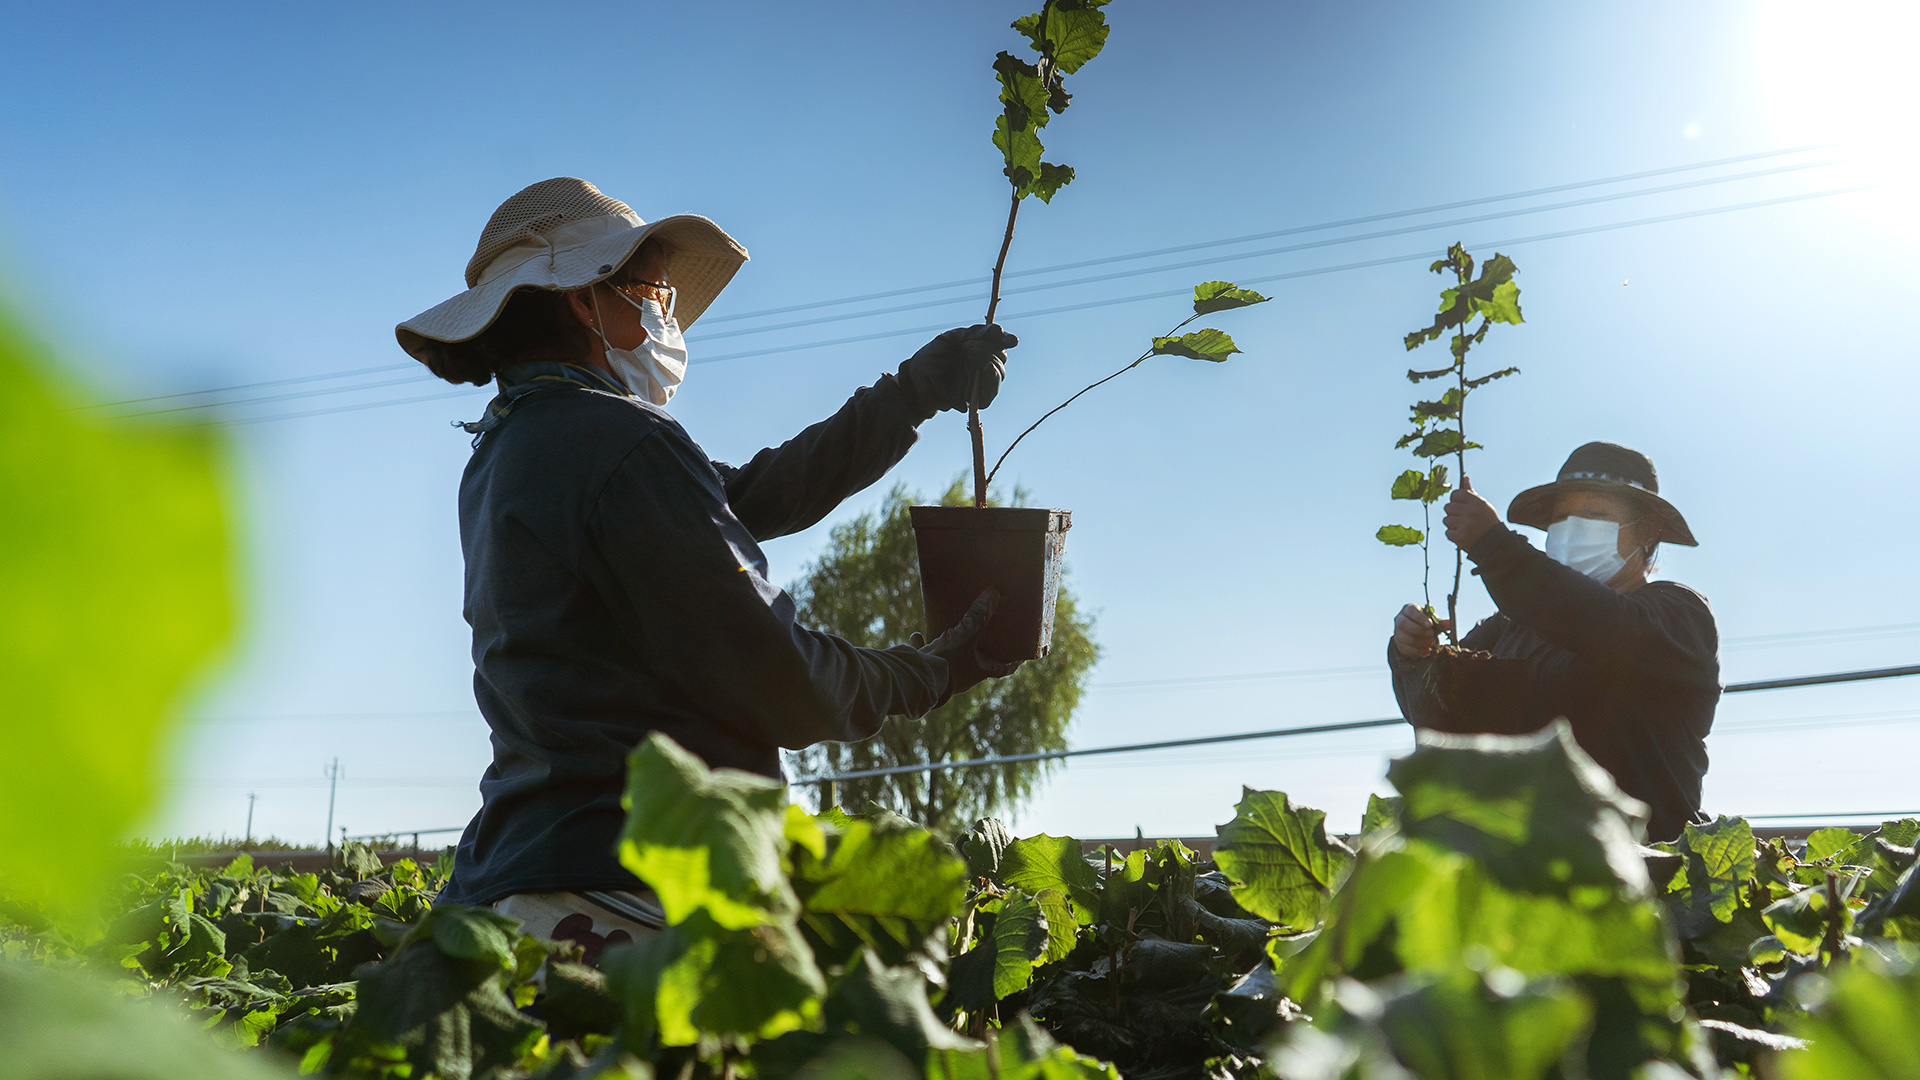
(1417, 256)
(1290, 249)
(1274, 233)
(1316, 729)
(424, 377)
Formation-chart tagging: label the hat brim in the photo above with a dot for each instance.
(1534, 506)
(701, 260)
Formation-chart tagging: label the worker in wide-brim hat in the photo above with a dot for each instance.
(1632, 664)
(614, 579)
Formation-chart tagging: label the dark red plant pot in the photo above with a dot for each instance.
(965, 550)
(1479, 694)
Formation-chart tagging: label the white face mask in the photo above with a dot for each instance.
(655, 369)
(1587, 545)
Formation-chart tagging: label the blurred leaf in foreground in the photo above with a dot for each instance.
(114, 592)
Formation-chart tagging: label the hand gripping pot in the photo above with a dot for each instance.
(964, 550)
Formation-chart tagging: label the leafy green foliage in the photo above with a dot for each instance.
(1438, 427)
(865, 587)
(1498, 920)
(1065, 34)
(113, 543)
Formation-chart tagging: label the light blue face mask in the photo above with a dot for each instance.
(1588, 545)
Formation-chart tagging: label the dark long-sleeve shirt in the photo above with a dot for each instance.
(615, 587)
(1637, 674)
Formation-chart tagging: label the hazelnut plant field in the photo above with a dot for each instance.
(1497, 918)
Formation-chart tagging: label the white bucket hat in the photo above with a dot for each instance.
(564, 234)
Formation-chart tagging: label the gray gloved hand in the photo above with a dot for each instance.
(966, 665)
(960, 363)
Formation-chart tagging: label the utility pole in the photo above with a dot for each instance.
(248, 842)
(332, 773)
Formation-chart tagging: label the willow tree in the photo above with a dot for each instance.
(866, 588)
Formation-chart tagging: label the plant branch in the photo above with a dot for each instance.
(981, 478)
(1043, 419)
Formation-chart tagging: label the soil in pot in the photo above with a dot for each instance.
(965, 550)
(1477, 693)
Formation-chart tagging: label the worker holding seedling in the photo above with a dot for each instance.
(614, 579)
(1632, 664)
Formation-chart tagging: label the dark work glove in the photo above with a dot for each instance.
(966, 665)
(956, 365)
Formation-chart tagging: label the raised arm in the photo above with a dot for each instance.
(789, 487)
(690, 591)
(1661, 629)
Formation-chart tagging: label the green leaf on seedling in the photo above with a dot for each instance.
(1212, 296)
(1074, 32)
(1475, 384)
(1410, 484)
(1206, 344)
(1424, 487)
(1051, 179)
(1447, 408)
(1280, 859)
(1399, 535)
(1443, 442)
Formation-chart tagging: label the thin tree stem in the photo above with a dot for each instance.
(981, 478)
(1043, 419)
(1460, 458)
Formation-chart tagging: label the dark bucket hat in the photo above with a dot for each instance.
(1611, 469)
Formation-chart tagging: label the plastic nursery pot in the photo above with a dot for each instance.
(1478, 694)
(965, 550)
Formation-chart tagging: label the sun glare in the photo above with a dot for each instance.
(1842, 72)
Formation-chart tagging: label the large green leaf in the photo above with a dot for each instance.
(1831, 841)
(1861, 1026)
(1022, 1050)
(1462, 915)
(60, 1025)
(1207, 344)
(115, 589)
(706, 839)
(1381, 812)
(450, 1014)
(1720, 863)
(1800, 919)
(1001, 960)
(1036, 863)
(1212, 296)
(1279, 858)
(1536, 810)
(1474, 1027)
(700, 977)
(872, 869)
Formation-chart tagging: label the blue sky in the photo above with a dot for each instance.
(205, 196)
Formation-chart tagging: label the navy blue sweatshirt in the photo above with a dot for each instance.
(1636, 674)
(615, 587)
